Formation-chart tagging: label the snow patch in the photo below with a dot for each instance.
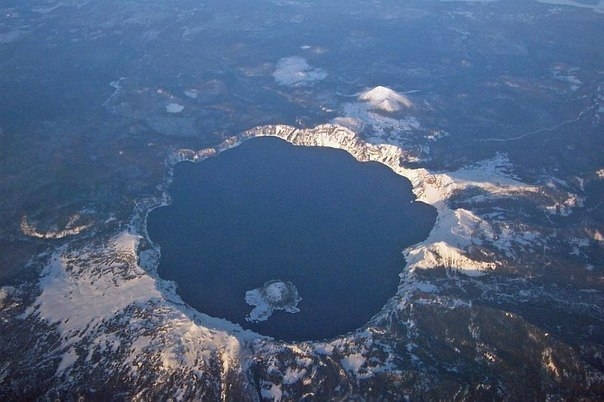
(568, 76)
(326, 349)
(597, 236)
(293, 375)
(353, 362)
(295, 71)
(125, 242)
(271, 391)
(191, 93)
(174, 108)
(81, 291)
(75, 302)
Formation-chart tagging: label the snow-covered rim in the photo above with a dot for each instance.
(447, 240)
(453, 235)
(81, 301)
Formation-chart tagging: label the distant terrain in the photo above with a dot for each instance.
(490, 111)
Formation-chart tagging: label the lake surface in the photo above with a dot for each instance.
(267, 210)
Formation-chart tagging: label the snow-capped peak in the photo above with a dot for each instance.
(385, 99)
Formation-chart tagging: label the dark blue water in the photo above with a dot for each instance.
(267, 210)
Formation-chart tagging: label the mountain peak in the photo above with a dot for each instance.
(385, 99)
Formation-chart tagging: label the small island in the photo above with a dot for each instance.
(273, 295)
